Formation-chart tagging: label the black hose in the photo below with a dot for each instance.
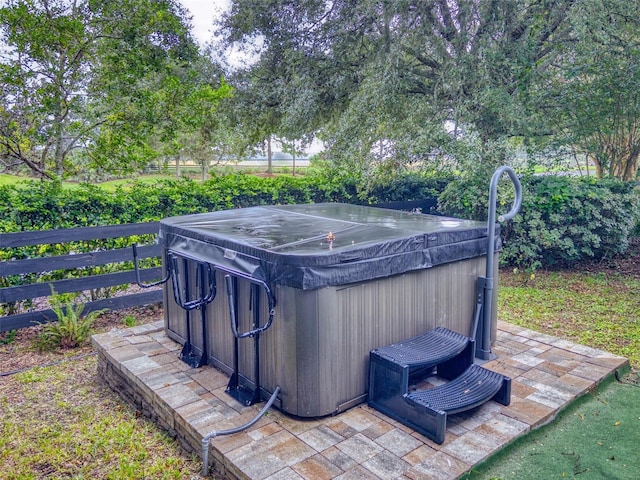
(214, 434)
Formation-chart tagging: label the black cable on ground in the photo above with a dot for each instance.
(50, 364)
(634, 383)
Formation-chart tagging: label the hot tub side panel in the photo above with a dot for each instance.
(318, 347)
(372, 314)
(277, 345)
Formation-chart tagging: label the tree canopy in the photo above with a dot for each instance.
(110, 85)
(594, 94)
(405, 81)
(86, 83)
(382, 78)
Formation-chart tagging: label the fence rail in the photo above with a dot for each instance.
(74, 261)
(82, 260)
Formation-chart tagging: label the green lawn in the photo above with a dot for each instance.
(595, 437)
(63, 422)
(595, 309)
(109, 185)
(10, 179)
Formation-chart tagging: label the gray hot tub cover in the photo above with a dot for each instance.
(318, 245)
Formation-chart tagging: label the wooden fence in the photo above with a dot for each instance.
(72, 261)
(81, 260)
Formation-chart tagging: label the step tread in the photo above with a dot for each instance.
(430, 348)
(474, 387)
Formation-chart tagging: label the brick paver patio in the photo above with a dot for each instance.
(547, 373)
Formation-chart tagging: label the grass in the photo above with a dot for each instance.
(111, 185)
(10, 179)
(108, 185)
(62, 422)
(594, 309)
(594, 438)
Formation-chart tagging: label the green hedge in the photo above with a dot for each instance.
(47, 205)
(563, 220)
(412, 186)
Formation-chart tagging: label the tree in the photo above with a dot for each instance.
(595, 91)
(382, 80)
(256, 107)
(186, 109)
(80, 75)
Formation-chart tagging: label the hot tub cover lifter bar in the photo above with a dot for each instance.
(207, 294)
(137, 270)
(234, 388)
(257, 329)
(207, 281)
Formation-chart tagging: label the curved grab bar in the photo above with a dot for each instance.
(484, 348)
(232, 313)
(136, 268)
(493, 192)
(491, 226)
(177, 287)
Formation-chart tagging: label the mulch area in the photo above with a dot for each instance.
(627, 264)
(18, 349)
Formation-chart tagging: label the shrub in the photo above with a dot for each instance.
(71, 329)
(563, 220)
(412, 186)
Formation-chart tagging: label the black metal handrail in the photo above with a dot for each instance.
(230, 294)
(204, 298)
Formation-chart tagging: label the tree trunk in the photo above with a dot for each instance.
(269, 156)
(598, 165)
(205, 169)
(59, 147)
(631, 167)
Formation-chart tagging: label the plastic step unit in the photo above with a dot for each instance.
(394, 367)
(426, 410)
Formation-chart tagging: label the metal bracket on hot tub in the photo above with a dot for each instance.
(137, 271)
(207, 279)
(234, 388)
(206, 295)
(270, 298)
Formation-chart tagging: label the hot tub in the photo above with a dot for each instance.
(345, 279)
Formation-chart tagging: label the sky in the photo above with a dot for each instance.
(204, 12)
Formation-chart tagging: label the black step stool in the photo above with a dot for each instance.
(439, 351)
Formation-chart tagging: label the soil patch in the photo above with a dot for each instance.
(627, 264)
(18, 349)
